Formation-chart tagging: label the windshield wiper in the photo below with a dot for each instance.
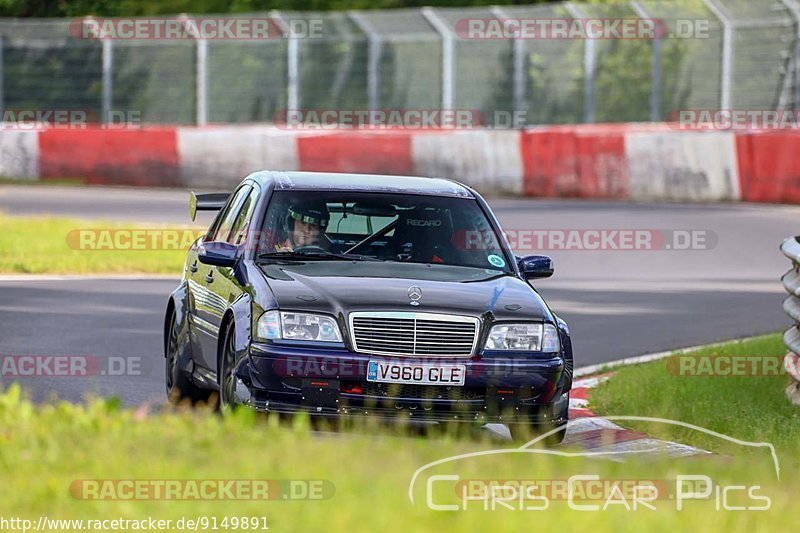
(316, 255)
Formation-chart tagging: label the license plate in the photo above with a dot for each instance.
(416, 373)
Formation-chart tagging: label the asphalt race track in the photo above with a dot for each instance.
(618, 303)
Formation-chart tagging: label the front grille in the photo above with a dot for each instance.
(414, 334)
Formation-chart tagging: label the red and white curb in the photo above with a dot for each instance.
(596, 434)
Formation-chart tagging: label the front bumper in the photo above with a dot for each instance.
(284, 378)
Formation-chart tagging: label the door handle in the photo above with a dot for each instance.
(193, 267)
(210, 276)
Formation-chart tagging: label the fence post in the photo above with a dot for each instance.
(655, 72)
(108, 80)
(519, 63)
(293, 72)
(727, 51)
(373, 58)
(447, 55)
(794, 8)
(292, 63)
(589, 66)
(201, 71)
(2, 81)
(202, 82)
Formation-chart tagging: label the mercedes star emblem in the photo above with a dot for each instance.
(414, 294)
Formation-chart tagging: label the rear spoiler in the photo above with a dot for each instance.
(212, 201)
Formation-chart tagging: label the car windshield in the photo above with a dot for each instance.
(331, 225)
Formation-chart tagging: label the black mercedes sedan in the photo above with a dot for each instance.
(365, 295)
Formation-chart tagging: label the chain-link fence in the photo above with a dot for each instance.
(713, 54)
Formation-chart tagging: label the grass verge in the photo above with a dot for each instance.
(46, 449)
(32, 182)
(699, 388)
(39, 245)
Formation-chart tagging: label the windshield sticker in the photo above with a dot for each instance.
(496, 260)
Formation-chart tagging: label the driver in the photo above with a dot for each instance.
(305, 226)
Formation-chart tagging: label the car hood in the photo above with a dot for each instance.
(341, 287)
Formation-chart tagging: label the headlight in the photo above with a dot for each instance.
(524, 338)
(297, 327)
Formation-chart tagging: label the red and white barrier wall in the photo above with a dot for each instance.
(618, 161)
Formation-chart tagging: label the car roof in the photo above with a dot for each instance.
(332, 181)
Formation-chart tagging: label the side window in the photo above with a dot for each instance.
(212, 229)
(229, 216)
(239, 230)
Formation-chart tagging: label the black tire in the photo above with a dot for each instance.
(527, 432)
(180, 388)
(556, 438)
(227, 360)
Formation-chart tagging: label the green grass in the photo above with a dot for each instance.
(38, 245)
(45, 448)
(752, 408)
(4, 180)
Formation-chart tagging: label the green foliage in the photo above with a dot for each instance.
(75, 8)
(45, 448)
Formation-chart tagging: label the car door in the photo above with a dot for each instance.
(196, 284)
(223, 288)
(207, 301)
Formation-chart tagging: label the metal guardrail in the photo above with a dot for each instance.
(791, 282)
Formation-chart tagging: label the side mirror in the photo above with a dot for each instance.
(536, 266)
(221, 254)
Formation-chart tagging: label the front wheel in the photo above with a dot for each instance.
(227, 381)
(180, 388)
(527, 432)
(556, 437)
